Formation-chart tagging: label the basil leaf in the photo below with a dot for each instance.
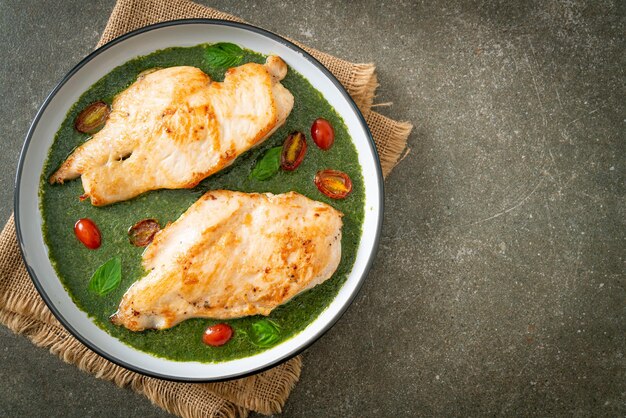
(268, 165)
(224, 54)
(265, 333)
(107, 277)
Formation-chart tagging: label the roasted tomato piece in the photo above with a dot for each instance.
(323, 133)
(293, 151)
(333, 183)
(92, 118)
(88, 233)
(142, 233)
(218, 334)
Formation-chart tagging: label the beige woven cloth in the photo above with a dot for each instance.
(23, 311)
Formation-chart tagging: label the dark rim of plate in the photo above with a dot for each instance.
(116, 41)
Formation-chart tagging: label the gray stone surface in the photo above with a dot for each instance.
(499, 285)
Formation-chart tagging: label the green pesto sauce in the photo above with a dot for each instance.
(75, 263)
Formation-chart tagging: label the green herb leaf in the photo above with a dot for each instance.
(268, 165)
(224, 54)
(265, 333)
(107, 277)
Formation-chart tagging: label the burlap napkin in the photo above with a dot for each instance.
(23, 311)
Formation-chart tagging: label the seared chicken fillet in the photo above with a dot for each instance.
(233, 254)
(174, 127)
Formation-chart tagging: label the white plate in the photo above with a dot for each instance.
(52, 113)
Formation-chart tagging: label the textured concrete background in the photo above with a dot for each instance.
(499, 284)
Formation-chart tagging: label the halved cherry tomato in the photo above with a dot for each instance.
(323, 133)
(88, 233)
(142, 233)
(218, 334)
(92, 118)
(333, 183)
(293, 151)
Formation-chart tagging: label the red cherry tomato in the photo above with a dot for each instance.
(218, 334)
(323, 133)
(88, 233)
(333, 183)
(293, 151)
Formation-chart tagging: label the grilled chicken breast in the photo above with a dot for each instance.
(233, 254)
(174, 127)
